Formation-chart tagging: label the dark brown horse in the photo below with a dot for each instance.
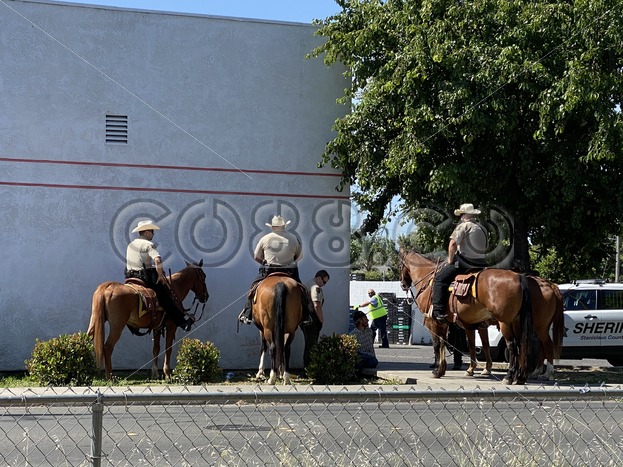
(277, 312)
(547, 304)
(500, 295)
(119, 305)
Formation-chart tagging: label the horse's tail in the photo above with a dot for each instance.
(279, 305)
(558, 323)
(97, 324)
(526, 347)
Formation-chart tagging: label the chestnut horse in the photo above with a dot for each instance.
(277, 312)
(546, 302)
(500, 295)
(119, 305)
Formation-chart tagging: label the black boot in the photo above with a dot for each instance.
(187, 324)
(246, 315)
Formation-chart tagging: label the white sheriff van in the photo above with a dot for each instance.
(593, 323)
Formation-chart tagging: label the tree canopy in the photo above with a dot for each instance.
(502, 103)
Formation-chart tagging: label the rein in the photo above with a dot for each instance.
(196, 299)
(193, 314)
(414, 285)
(196, 303)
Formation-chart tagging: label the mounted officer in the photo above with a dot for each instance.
(277, 251)
(466, 250)
(144, 262)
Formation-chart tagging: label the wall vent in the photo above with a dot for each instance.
(116, 129)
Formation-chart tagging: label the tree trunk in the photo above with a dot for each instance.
(521, 246)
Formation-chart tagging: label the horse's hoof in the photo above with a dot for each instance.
(507, 381)
(485, 373)
(468, 373)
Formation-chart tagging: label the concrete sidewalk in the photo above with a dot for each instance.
(410, 365)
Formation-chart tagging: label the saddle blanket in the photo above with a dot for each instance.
(147, 300)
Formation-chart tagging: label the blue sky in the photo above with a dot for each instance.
(301, 11)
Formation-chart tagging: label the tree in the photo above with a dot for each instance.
(375, 254)
(503, 103)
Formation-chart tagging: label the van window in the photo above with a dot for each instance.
(580, 300)
(611, 299)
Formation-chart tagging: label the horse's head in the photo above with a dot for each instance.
(199, 282)
(405, 275)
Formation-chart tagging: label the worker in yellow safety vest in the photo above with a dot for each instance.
(378, 314)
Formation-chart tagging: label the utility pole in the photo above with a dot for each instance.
(617, 263)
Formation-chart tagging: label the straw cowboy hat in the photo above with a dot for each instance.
(467, 208)
(278, 222)
(145, 225)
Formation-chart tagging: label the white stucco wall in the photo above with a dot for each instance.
(227, 121)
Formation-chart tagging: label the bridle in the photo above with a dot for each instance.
(196, 299)
(414, 285)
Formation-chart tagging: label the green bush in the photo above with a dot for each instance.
(197, 362)
(67, 360)
(333, 359)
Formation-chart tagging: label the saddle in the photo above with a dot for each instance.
(253, 291)
(464, 285)
(462, 289)
(147, 301)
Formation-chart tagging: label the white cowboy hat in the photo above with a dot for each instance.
(145, 225)
(278, 222)
(466, 209)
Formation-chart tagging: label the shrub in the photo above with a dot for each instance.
(197, 362)
(333, 359)
(67, 360)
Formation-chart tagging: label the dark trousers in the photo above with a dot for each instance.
(366, 360)
(457, 342)
(443, 278)
(311, 334)
(381, 325)
(169, 305)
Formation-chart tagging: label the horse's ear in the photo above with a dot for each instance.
(200, 263)
(187, 263)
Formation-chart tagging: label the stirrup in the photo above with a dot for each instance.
(243, 319)
(443, 319)
(307, 321)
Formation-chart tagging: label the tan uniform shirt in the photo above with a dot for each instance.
(317, 295)
(470, 239)
(279, 248)
(141, 253)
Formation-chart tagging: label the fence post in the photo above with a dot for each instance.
(96, 435)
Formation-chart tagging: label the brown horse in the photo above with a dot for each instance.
(277, 312)
(500, 295)
(119, 305)
(546, 302)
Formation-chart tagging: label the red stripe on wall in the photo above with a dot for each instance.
(166, 167)
(170, 190)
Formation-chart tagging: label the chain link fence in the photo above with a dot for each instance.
(311, 426)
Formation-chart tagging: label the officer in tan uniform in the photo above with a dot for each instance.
(144, 262)
(466, 250)
(277, 251)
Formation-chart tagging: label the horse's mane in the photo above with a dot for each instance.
(432, 258)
